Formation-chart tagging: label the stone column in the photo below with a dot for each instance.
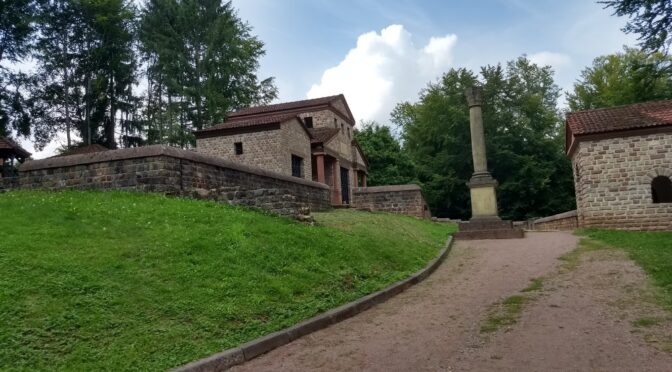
(320, 168)
(474, 99)
(336, 190)
(363, 179)
(481, 185)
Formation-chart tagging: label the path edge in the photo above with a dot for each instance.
(250, 350)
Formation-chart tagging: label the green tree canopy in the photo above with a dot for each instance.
(16, 28)
(389, 164)
(651, 19)
(524, 140)
(622, 78)
(202, 61)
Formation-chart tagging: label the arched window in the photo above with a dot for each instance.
(661, 190)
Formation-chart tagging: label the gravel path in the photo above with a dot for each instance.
(435, 326)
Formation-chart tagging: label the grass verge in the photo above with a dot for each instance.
(650, 250)
(120, 281)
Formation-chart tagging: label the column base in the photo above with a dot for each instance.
(483, 196)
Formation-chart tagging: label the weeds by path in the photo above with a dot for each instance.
(507, 312)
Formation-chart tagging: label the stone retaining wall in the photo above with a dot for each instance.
(7, 183)
(563, 221)
(400, 199)
(176, 172)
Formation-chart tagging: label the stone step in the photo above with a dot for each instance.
(490, 234)
(477, 225)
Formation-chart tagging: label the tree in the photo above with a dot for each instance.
(622, 78)
(202, 62)
(86, 68)
(16, 27)
(59, 52)
(389, 164)
(651, 19)
(109, 65)
(523, 137)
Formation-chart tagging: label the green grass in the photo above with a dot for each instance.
(121, 281)
(651, 250)
(572, 259)
(536, 284)
(645, 322)
(504, 314)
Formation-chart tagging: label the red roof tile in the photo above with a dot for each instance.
(244, 122)
(321, 135)
(296, 106)
(8, 144)
(639, 115)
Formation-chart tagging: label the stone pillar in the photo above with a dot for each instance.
(481, 185)
(320, 168)
(336, 190)
(363, 179)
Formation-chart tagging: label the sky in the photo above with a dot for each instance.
(382, 52)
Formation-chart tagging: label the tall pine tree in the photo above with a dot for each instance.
(201, 64)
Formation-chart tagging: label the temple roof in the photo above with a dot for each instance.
(620, 118)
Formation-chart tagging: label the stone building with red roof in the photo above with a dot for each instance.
(311, 139)
(622, 162)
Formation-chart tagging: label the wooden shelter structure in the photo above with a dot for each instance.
(10, 153)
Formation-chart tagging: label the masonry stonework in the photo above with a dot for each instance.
(564, 221)
(401, 199)
(612, 178)
(260, 148)
(296, 142)
(176, 172)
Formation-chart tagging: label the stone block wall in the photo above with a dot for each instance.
(612, 178)
(7, 183)
(268, 147)
(260, 148)
(176, 172)
(563, 221)
(296, 142)
(400, 199)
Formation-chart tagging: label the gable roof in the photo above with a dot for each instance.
(8, 144)
(322, 135)
(620, 118)
(295, 107)
(244, 122)
(250, 122)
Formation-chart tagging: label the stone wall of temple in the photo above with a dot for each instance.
(612, 178)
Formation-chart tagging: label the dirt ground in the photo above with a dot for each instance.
(582, 319)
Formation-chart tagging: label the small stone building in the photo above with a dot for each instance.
(622, 163)
(10, 153)
(310, 139)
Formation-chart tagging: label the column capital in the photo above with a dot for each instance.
(474, 95)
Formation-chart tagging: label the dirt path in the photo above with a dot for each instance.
(436, 326)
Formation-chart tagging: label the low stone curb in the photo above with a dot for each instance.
(250, 350)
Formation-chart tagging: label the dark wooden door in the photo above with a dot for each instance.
(345, 185)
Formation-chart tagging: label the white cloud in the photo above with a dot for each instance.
(555, 60)
(383, 69)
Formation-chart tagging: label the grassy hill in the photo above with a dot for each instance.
(123, 281)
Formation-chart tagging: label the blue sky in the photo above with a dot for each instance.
(305, 38)
(381, 52)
